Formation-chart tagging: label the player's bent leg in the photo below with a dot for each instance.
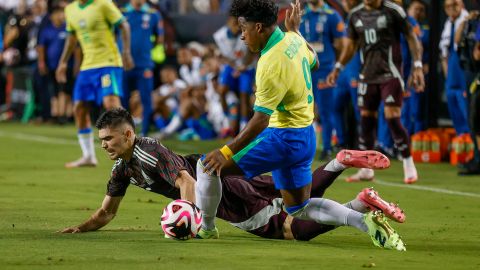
(208, 193)
(381, 233)
(111, 102)
(369, 159)
(370, 198)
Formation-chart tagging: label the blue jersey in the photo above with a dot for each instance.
(406, 56)
(144, 24)
(52, 39)
(1, 40)
(320, 28)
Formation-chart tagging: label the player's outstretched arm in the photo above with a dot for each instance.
(100, 218)
(215, 160)
(186, 184)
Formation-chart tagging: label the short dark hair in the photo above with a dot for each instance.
(114, 118)
(421, 2)
(262, 11)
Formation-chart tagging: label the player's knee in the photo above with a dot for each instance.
(298, 211)
(392, 112)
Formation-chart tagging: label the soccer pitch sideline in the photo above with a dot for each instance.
(38, 197)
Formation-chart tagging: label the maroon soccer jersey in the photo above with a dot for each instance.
(378, 35)
(152, 167)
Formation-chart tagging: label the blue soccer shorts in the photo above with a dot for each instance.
(286, 152)
(96, 83)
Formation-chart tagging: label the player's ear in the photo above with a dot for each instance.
(259, 27)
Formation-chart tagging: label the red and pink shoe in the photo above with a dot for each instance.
(363, 159)
(372, 200)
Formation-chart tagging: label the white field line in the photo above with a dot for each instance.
(37, 138)
(50, 140)
(427, 188)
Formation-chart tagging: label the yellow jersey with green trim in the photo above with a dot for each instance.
(92, 23)
(284, 82)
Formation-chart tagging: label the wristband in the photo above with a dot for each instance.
(418, 64)
(339, 66)
(226, 152)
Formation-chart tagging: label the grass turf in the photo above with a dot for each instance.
(38, 197)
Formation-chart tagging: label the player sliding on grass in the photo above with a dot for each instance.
(280, 137)
(254, 206)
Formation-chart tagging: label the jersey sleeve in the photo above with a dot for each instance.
(351, 32)
(112, 13)
(270, 90)
(118, 183)
(338, 28)
(400, 19)
(42, 39)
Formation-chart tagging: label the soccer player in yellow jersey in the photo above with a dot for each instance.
(280, 137)
(91, 22)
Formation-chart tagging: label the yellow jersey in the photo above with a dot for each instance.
(284, 82)
(92, 23)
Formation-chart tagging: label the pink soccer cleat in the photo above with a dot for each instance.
(363, 159)
(82, 162)
(372, 200)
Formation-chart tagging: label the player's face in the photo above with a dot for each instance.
(137, 3)
(416, 10)
(250, 34)
(114, 141)
(453, 8)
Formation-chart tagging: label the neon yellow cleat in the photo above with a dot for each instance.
(381, 233)
(208, 234)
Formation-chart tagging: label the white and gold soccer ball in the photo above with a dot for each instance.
(181, 220)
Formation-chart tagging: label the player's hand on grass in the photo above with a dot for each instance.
(214, 162)
(293, 17)
(61, 73)
(70, 230)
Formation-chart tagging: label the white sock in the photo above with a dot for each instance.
(329, 212)
(408, 162)
(335, 166)
(357, 205)
(174, 125)
(86, 143)
(208, 193)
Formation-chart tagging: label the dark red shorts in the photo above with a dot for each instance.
(370, 95)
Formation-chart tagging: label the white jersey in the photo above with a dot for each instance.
(231, 47)
(191, 74)
(216, 115)
(173, 90)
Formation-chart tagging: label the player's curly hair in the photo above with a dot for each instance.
(262, 11)
(114, 118)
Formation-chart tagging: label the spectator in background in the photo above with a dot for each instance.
(51, 40)
(145, 22)
(2, 78)
(455, 83)
(324, 29)
(166, 103)
(238, 71)
(189, 67)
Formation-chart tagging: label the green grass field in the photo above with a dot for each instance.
(38, 197)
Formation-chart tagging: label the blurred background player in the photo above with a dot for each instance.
(455, 82)
(100, 78)
(345, 97)
(324, 29)
(145, 23)
(238, 71)
(374, 28)
(51, 40)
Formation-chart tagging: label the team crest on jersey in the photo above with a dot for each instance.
(146, 21)
(82, 24)
(382, 22)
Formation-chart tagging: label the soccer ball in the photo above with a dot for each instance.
(181, 220)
